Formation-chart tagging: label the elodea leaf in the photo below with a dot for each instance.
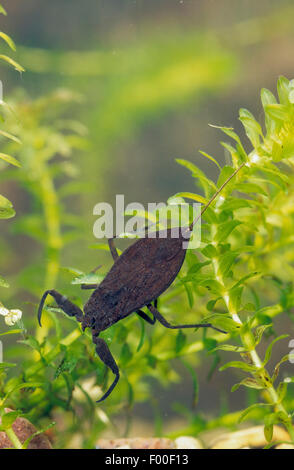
(239, 365)
(8, 419)
(180, 341)
(248, 382)
(12, 62)
(226, 172)
(225, 229)
(268, 432)
(8, 40)
(270, 347)
(6, 208)
(221, 320)
(230, 348)
(91, 278)
(248, 410)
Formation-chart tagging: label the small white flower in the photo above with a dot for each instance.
(12, 317)
(3, 311)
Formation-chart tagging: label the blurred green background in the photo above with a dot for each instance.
(147, 77)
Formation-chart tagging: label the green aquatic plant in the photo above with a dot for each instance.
(246, 257)
(240, 280)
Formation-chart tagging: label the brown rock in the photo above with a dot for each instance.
(137, 443)
(251, 437)
(24, 429)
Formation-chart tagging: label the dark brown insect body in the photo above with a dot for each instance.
(137, 278)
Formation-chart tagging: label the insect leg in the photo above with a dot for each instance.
(107, 358)
(165, 323)
(89, 286)
(145, 317)
(113, 249)
(68, 307)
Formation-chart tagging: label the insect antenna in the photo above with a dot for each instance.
(215, 195)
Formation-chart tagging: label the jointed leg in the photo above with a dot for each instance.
(89, 286)
(107, 358)
(145, 317)
(165, 323)
(113, 249)
(68, 307)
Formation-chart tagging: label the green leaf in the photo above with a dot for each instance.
(8, 40)
(222, 321)
(249, 409)
(142, 337)
(239, 365)
(195, 197)
(189, 292)
(67, 365)
(236, 297)
(252, 127)
(91, 278)
(225, 229)
(6, 208)
(245, 278)
(125, 355)
(2, 10)
(11, 332)
(232, 204)
(270, 347)
(21, 386)
(283, 88)
(259, 332)
(9, 159)
(37, 433)
(248, 382)
(209, 251)
(251, 188)
(268, 98)
(214, 286)
(194, 381)
(122, 333)
(225, 263)
(205, 182)
(282, 391)
(230, 348)
(211, 303)
(12, 62)
(32, 342)
(10, 137)
(181, 340)
(8, 419)
(268, 432)
(226, 172)
(74, 271)
(230, 132)
(210, 158)
(277, 367)
(278, 112)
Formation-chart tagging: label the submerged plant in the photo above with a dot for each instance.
(247, 249)
(241, 276)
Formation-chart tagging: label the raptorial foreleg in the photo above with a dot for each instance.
(66, 305)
